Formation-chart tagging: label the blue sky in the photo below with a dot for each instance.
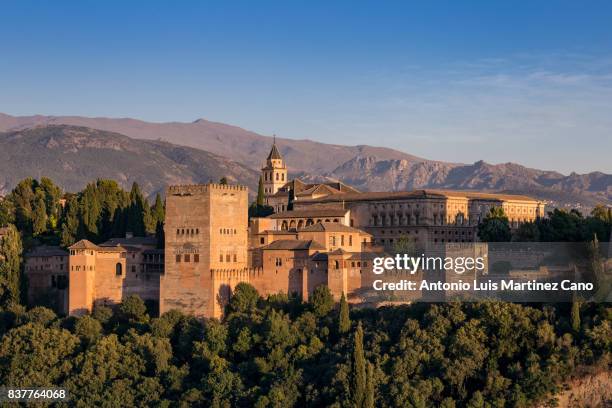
(449, 81)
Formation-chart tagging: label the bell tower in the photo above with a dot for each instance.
(274, 173)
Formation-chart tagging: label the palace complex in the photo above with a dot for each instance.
(319, 234)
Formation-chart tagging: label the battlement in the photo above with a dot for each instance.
(235, 273)
(190, 189)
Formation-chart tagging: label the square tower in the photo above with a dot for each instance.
(205, 228)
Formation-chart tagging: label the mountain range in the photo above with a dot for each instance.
(156, 154)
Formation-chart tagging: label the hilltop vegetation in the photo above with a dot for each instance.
(280, 352)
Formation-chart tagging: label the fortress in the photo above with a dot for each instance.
(320, 234)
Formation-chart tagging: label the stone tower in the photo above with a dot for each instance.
(274, 173)
(205, 230)
(96, 276)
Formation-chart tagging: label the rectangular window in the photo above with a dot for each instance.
(178, 258)
(187, 258)
(196, 258)
(220, 257)
(350, 240)
(342, 240)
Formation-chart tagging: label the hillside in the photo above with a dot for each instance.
(73, 156)
(574, 190)
(238, 144)
(365, 167)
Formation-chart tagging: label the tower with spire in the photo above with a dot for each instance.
(274, 173)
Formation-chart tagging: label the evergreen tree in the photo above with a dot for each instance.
(495, 227)
(358, 389)
(158, 213)
(321, 300)
(137, 212)
(11, 255)
(370, 386)
(39, 216)
(52, 195)
(344, 320)
(23, 199)
(260, 193)
(7, 212)
(70, 223)
(223, 181)
(575, 316)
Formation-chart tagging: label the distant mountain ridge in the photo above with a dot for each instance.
(365, 167)
(380, 175)
(72, 156)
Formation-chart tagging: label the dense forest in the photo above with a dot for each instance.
(280, 351)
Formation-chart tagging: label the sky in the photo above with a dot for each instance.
(523, 81)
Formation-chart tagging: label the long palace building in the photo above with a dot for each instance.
(320, 234)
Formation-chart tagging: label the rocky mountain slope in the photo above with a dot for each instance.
(235, 143)
(574, 190)
(365, 167)
(73, 156)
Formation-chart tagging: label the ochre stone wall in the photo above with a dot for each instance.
(205, 229)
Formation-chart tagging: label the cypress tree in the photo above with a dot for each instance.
(359, 369)
(70, 223)
(575, 315)
(157, 211)
(39, 218)
(10, 267)
(260, 193)
(137, 212)
(344, 320)
(369, 397)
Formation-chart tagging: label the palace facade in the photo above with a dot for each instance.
(320, 234)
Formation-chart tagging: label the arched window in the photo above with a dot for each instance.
(118, 269)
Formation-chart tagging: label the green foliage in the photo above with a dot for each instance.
(256, 210)
(344, 319)
(575, 316)
(359, 377)
(223, 181)
(244, 299)
(11, 252)
(260, 193)
(495, 226)
(269, 353)
(321, 300)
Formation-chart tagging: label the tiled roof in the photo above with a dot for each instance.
(397, 195)
(84, 244)
(308, 213)
(331, 227)
(132, 241)
(46, 250)
(274, 153)
(294, 244)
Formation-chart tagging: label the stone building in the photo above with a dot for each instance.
(205, 230)
(46, 271)
(76, 280)
(423, 216)
(325, 233)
